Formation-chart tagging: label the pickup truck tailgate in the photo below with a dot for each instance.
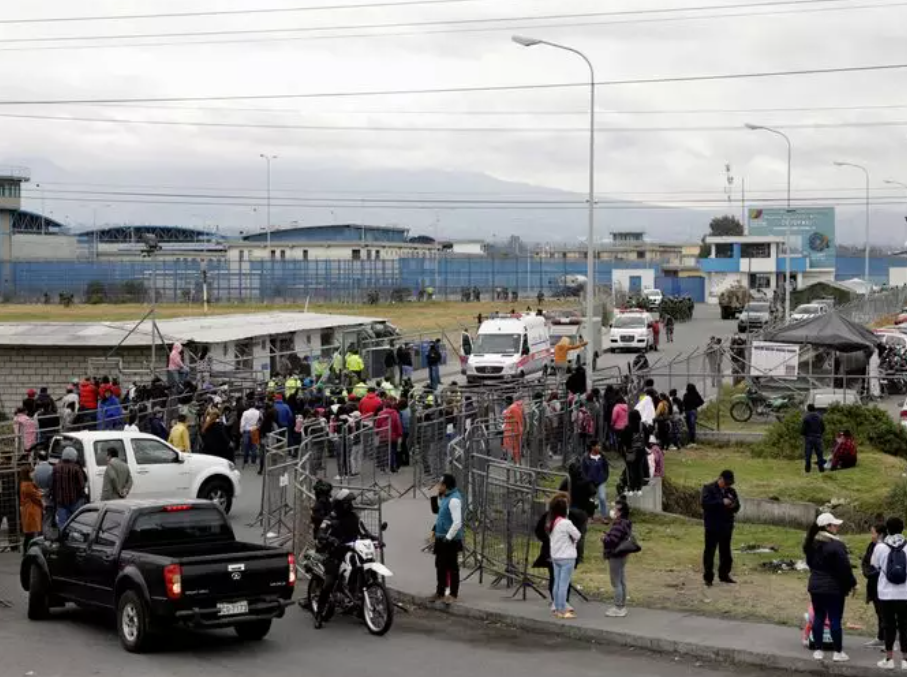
(235, 576)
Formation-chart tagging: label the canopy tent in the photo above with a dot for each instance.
(828, 331)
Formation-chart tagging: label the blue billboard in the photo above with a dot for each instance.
(812, 231)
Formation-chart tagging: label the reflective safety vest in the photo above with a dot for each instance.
(354, 362)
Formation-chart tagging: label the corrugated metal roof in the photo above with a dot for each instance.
(204, 329)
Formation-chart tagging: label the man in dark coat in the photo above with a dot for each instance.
(720, 505)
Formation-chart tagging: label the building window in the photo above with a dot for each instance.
(759, 250)
(273, 254)
(724, 251)
(760, 281)
(242, 255)
(357, 255)
(305, 254)
(640, 254)
(283, 254)
(368, 254)
(377, 254)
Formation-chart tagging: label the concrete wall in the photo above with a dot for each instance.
(651, 500)
(28, 247)
(621, 277)
(27, 367)
(764, 511)
(897, 277)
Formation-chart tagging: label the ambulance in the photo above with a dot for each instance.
(507, 347)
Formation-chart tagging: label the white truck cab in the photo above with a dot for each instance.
(514, 346)
(158, 470)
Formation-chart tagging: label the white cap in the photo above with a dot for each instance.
(826, 519)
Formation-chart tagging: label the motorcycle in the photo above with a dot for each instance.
(359, 590)
(745, 406)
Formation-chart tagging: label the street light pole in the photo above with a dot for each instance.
(866, 254)
(902, 185)
(787, 229)
(590, 243)
(267, 159)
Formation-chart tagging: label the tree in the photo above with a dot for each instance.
(721, 226)
(725, 225)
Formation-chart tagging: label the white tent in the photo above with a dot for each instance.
(858, 285)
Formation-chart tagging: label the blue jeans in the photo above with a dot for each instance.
(691, 424)
(563, 572)
(814, 445)
(248, 449)
(64, 512)
(434, 376)
(601, 492)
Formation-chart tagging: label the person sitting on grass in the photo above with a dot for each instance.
(844, 455)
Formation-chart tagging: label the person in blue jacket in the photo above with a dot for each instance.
(110, 413)
(595, 470)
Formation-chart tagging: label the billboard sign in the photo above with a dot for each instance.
(780, 360)
(812, 231)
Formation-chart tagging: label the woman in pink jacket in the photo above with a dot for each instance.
(389, 429)
(620, 419)
(176, 368)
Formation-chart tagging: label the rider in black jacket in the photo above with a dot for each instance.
(341, 528)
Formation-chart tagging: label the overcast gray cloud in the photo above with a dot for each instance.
(666, 167)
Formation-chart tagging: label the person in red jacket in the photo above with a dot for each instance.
(370, 404)
(88, 399)
(389, 429)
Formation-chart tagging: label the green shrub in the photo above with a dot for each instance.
(870, 426)
(132, 291)
(96, 292)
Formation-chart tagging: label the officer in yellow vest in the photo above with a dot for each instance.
(292, 385)
(354, 365)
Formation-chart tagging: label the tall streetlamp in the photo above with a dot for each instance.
(43, 210)
(866, 172)
(787, 229)
(897, 183)
(267, 159)
(590, 246)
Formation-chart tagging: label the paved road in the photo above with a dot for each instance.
(77, 644)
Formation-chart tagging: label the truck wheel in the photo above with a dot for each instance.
(132, 622)
(254, 631)
(38, 594)
(218, 491)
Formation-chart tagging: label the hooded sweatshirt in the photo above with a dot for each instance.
(888, 591)
(176, 360)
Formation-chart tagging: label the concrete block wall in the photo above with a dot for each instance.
(27, 367)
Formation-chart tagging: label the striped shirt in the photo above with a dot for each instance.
(68, 483)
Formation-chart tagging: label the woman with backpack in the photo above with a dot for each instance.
(830, 582)
(618, 544)
(890, 560)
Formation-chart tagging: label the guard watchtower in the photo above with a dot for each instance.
(11, 180)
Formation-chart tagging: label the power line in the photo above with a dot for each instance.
(230, 12)
(453, 130)
(463, 90)
(519, 113)
(426, 24)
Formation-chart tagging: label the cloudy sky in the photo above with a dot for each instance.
(228, 84)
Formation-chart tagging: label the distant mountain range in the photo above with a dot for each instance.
(451, 205)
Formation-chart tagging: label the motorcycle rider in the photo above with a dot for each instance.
(341, 528)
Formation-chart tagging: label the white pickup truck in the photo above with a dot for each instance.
(158, 470)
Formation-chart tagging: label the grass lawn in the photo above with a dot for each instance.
(409, 317)
(865, 486)
(667, 573)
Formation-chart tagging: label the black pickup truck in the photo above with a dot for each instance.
(158, 564)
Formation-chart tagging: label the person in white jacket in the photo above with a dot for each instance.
(563, 537)
(890, 560)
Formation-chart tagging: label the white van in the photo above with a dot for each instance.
(632, 331)
(158, 470)
(507, 347)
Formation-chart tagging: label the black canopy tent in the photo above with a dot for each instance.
(830, 331)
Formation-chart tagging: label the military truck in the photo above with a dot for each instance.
(732, 301)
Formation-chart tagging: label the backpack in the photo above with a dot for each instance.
(584, 422)
(896, 565)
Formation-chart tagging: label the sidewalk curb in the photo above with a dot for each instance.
(717, 654)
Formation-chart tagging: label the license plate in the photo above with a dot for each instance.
(232, 609)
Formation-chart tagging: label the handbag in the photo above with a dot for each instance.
(628, 546)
